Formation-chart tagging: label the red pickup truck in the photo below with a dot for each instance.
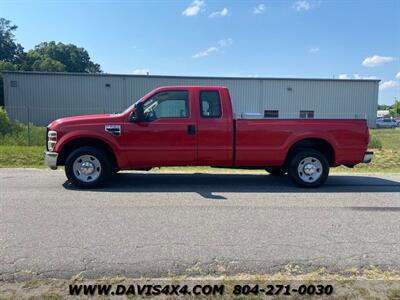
(195, 126)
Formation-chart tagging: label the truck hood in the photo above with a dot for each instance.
(86, 119)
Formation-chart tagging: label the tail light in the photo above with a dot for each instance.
(51, 139)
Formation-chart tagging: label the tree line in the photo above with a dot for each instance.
(394, 109)
(45, 57)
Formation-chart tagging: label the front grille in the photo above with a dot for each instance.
(47, 138)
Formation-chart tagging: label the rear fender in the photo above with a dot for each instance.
(312, 135)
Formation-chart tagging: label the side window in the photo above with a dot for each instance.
(306, 114)
(210, 104)
(168, 104)
(271, 114)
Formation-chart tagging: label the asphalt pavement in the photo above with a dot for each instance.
(158, 224)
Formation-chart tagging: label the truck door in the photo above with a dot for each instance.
(215, 128)
(168, 136)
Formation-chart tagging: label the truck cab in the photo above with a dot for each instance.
(176, 126)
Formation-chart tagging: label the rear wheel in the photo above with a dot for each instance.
(309, 168)
(87, 167)
(276, 171)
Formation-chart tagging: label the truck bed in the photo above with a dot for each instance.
(266, 142)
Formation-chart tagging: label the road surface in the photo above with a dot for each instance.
(159, 224)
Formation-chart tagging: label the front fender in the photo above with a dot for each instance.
(110, 140)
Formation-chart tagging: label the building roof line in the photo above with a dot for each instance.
(181, 76)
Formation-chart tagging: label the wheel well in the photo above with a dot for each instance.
(81, 142)
(313, 143)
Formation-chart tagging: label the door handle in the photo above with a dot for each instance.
(191, 129)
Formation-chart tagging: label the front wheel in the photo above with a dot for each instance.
(309, 168)
(87, 167)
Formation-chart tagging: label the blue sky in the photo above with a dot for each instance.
(306, 38)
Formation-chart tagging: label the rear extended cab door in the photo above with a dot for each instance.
(214, 127)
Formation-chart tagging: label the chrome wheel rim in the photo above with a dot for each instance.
(87, 168)
(310, 169)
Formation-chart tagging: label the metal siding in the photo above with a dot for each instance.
(50, 96)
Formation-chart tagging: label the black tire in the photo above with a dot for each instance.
(276, 171)
(104, 171)
(300, 178)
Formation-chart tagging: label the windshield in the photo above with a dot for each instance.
(132, 106)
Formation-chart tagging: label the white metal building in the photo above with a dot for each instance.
(43, 97)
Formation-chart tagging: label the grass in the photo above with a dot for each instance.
(22, 136)
(384, 161)
(15, 152)
(390, 138)
(21, 156)
(368, 283)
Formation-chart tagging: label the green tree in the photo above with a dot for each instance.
(45, 57)
(46, 64)
(383, 107)
(395, 109)
(73, 58)
(10, 50)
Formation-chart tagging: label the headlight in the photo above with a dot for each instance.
(51, 139)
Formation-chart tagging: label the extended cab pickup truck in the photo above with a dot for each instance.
(195, 126)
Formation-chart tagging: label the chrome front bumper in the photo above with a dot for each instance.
(368, 157)
(50, 158)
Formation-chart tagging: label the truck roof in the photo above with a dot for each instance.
(180, 87)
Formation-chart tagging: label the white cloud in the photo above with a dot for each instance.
(358, 76)
(206, 52)
(194, 8)
(225, 43)
(355, 76)
(259, 9)
(302, 5)
(398, 76)
(220, 44)
(388, 85)
(343, 76)
(376, 60)
(313, 50)
(141, 71)
(223, 13)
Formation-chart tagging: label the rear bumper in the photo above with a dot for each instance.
(368, 157)
(50, 159)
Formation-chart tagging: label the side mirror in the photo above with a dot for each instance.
(137, 114)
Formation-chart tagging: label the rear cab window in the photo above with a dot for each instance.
(210, 104)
